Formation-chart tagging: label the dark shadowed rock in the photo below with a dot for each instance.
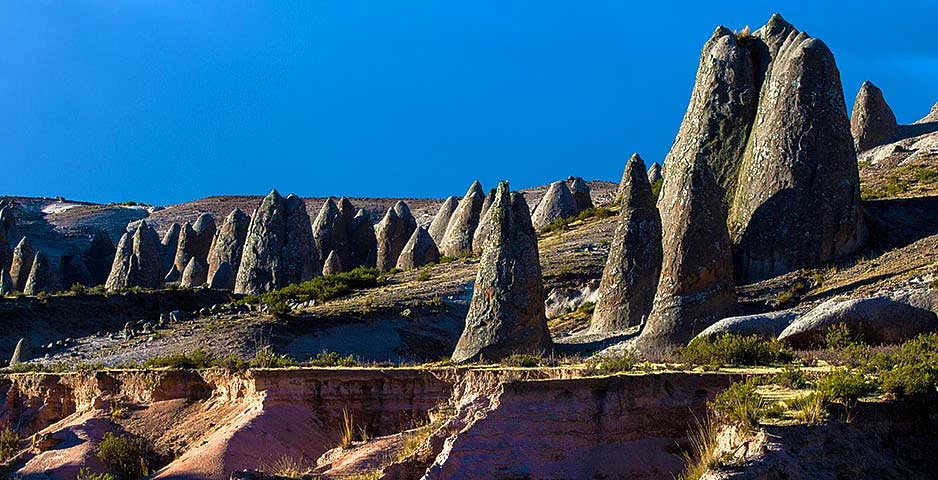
(438, 226)
(362, 237)
(137, 260)
(418, 251)
(22, 263)
(6, 283)
(872, 122)
(557, 203)
(876, 320)
(194, 275)
(506, 314)
(581, 193)
(99, 257)
(21, 353)
(487, 203)
(696, 286)
(42, 276)
(347, 208)
(654, 173)
(333, 264)
(7, 221)
(797, 201)
(195, 241)
(223, 277)
(331, 234)
(482, 232)
(168, 247)
(765, 325)
(627, 288)
(278, 249)
(227, 248)
(392, 233)
(72, 271)
(458, 238)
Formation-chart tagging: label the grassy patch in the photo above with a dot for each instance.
(740, 405)
(319, 289)
(903, 180)
(727, 349)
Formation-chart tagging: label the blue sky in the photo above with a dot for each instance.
(165, 102)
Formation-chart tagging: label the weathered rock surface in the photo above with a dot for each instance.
(557, 203)
(696, 286)
(21, 353)
(419, 251)
(7, 221)
(482, 231)
(654, 173)
(458, 238)
(487, 203)
(440, 221)
(797, 201)
(765, 325)
(364, 242)
(22, 263)
(877, 320)
(99, 257)
(392, 233)
(6, 283)
(195, 241)
(330, 234)
(168, 247)
(42, 276)
(72, 271)
(872, 122)
(630, 278)
(278, 249)
(333, 264)
(194, 275)
(506, 313)
(581, 193)
(227, 248)
(137, 261)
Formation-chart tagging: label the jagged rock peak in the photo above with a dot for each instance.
(419, 250)
(227, 248)
(654, 173)
(6, 283)
(22, 263)
(331, 235)
(364, 243)
(441, 220)
(137, 260)
(168, 247)
(21, 353)
(872, 122)
(557, 202)
(332, 264)
(458, 238)
(392, 233)
(630, 277)
(42, 276)
(506, 313)
(194, 275)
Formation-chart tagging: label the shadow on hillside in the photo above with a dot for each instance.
(897, 222)
(916, 129)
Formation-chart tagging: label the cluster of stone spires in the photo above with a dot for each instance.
(563, 199)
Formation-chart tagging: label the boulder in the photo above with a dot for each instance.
(875, 320)
(22, 263)
(581, 193)
(332, 264)
(419, 251)
(557, 203)
(168, 247)
(765, 325)
(506, 313)
(654, 173)
(331, 234)
(392, 233)
(630, 277)
(6, 283)
(21, 353)
(42, 276)
(99, 257)
(441, 220)
(458, 238)
(872, 122)
(797, 201)
(696, 285)
(362, 238)
(194, 275)
(137, 261)
(278, 248)
(226, 249)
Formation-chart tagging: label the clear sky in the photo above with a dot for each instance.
(167, 101)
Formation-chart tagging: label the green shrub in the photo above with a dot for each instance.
(9, 444)
(790, 377)
(87, 474)
(808, 408)
(128, 457)
(594, 212)
(333, 359)
(728, 349)
(843, 386)
(587, 308)
(423, 276)
(320, 289)
(610, 364)
(78, 289)
(740, 405)
(839, 337)
(559, 225)
(195, 359)
(522, 360)
(911, 369)
(656, 188)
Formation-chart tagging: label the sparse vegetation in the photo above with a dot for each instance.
(740, 405)
(333, 359)
(790, 377)
(808, 408)
(319, 289)
(702, 455)
(288, 467)
(656, 188)
(196, 359)
(903, 180)
(843, 386)
(594, 212)
(9, 444)
(128, 457)
(727, 349)
(611, 364)
(522, 360)
(87, 474)
(423, 276)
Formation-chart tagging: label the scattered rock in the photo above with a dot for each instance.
(418, 251)
(438, 226)
(177, 316)
(629, 280)
(564, 300)
(225, 254)
(872, 122)
(392, 233)
(765, 325)
(557, 203)
(876, 320)
(458, 238)
(22, 263)
(506, 313)
(42, 276)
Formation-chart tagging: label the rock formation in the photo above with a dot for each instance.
(99, 257)
(195, 241)
(487, 203)
(331, 234)
(696, 285)
(332, 264)
(137, 260)
(872, 122)
(7, 221)
(557, 203)
(629, 280)
(654, 173)
(194, 275)
(438, 226)
(506, 314)
(482, 231)
(767, 325)
(6, 283)
(347, 208)
(418, 251)
(73, 271)
(581, 193)
(278, 249)
(21, 353)
(168, 247)
(362, 237)
(42, 276)
(392, 233)
(458, 238)
(22, 263)
(227, 248)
